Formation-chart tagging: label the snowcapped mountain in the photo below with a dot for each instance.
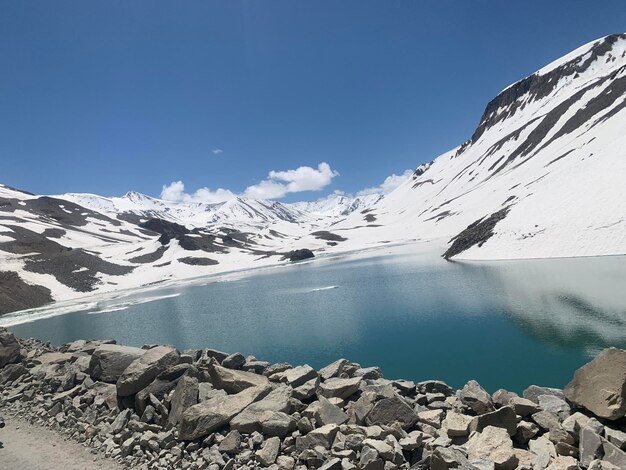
(241, 213)
(543, 175)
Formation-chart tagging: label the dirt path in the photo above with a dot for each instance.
(30, 447)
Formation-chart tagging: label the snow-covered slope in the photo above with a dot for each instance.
(548, 158)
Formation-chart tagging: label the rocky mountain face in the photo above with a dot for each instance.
(542, 176)
(547, 160)
(155, 407)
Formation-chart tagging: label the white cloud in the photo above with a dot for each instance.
(217, 151)
(280, 183)
(390, 183)
(175, 191)
(277, 185)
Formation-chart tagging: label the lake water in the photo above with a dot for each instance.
(508, 324)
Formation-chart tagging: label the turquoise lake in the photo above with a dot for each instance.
(507, 324)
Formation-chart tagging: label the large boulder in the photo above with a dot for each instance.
(252, 418)
(339, 388)
(9, 348)
(475, 397)
(110, 360)
(234, 381)
(185, 396)
(143, 370)
(495, 445)
(391, 410)
(209, 416)
(600, 385)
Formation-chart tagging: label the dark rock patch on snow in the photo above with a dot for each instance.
(15, 294)
(476, 233)
(198, 261)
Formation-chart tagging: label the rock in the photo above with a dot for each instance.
(298, 375)
(525, 432)
(524, 406)
(285, 462)
(434, 386)
(546, 420)
(339, 388)
(475, 397)
(212, 415)
(532, 393)
(299, 255)
(493, 444)
(332, 464)
(323, 436)
(503, 397)
(613, 455)
(231, 443)
(277, 424)
(505, 418)
(600, 385)
(544, 451)
(120, 421)
(9, 348)
(327, 413)
(234, 381)
(431, 417)
(555, 405)
(306, 390)
(143, 370)
(369, 460)
(109, 361)
(390, 410)
(267, 454)
(369, 373)
(333, 370)
(456, 424)
(615, 437)
(10, 372)
(449, 458)
(234, 361)
(251, 419)
(185, 396)
(563, 463)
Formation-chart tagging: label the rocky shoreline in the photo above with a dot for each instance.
(157, 408)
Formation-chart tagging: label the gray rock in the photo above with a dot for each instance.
(333, 370)
(231, 443)
(532, 393)
(332, 464)
(435, 386)
(339, 388)
(143, 370)
(449, 458)
(327, 413)
(369, 373)
(505, 418)
(109, 361)
(234, 361)
(600, 385)
(524, 406)
(185, 395)
(613, 455)
(546, 420)
(590, 446)
(370, 460)
(251, 419)
(234, 381)
(212, 415)
(456, 424)
(11, 372)
(390, 410)
(306, 390)
(267, 454)
(9, 348)
(299, 375)
(493, 444)
(277, 424)
(615, 437)
(555, 405)
(323, 436)
(475, 397)
(120, 421)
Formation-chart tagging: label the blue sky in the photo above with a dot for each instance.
(107, 97)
